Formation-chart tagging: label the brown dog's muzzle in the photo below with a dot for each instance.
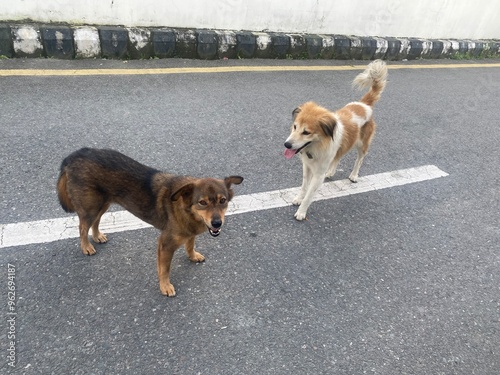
(215, 226)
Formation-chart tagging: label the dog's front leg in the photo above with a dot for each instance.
(313, 185)
(332, 168)
(306, 178)
(166, 249)
(193, 255)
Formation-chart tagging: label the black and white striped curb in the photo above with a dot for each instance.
(83, 42)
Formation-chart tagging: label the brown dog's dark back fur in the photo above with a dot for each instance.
(99, 177)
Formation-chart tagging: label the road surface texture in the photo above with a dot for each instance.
(399, 280)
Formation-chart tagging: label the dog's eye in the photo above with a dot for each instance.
(202, 203)
(294, 127)
(305, 132)
(222, 200)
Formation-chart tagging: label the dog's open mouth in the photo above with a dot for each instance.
(214, 232)
(290, 152)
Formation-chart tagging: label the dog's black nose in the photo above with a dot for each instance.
(216, 223)
(288, 145)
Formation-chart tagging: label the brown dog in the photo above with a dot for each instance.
(181, 207)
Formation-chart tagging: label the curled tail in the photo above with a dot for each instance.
(62, 192)
(375, 78)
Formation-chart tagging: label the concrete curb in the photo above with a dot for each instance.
(113, 42)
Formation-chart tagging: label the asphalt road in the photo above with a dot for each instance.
(398, 281)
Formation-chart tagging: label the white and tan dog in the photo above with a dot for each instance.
(321, 137)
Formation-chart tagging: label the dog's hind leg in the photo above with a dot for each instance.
(357, 164)
(97, 235)
(85, 223)
(367, 132)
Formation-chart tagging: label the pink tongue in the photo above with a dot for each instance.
(289, 153)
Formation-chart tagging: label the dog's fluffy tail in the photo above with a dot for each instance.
(62, 192)
(375, 78)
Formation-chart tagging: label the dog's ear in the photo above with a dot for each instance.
(236, 180)
(328, 124)
(295, 112)
(185, 192)
(232, 180)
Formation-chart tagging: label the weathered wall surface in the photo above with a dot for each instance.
(459, 19)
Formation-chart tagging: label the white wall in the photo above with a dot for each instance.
(404, 18)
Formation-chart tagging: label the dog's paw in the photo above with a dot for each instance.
(353, 178)
(297, 200)
(167, 289)
(299, 215)
(88, 250)
(197, 257)
(100, 238)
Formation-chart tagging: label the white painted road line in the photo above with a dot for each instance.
(43, 231)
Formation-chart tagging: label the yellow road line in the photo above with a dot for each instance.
(226, 69)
